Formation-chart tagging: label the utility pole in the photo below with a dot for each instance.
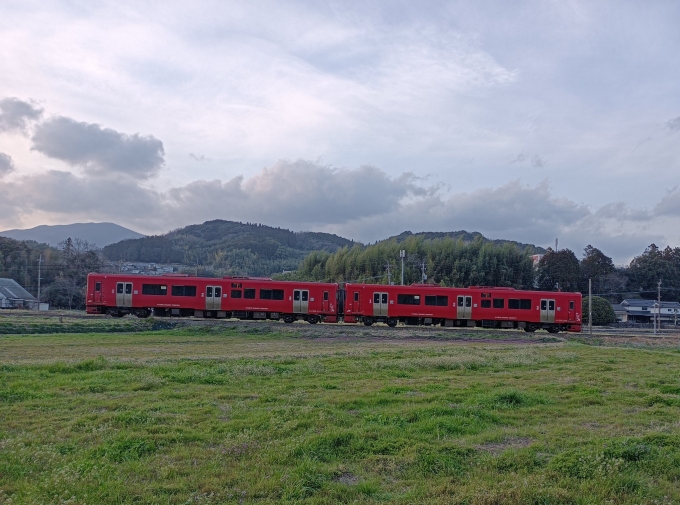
(422, 270)
(39, 262)
(402, 254)
(659, 303)
(389, 274)
(590, 307)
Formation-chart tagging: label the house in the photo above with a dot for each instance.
(642, 311)
(13, 296)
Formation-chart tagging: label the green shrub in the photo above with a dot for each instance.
(603, 312)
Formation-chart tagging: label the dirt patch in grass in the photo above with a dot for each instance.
(496, 448)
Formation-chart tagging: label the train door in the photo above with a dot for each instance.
(213, 297)
(380, 304)
(300, 301)
(356, 304)
(572, 311)
(124, 294)
(325, 301)
(464, 307)
(547, 311)
(98, 292)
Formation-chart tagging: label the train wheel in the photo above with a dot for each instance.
(392, 322)
(368, 321)
(553, 330)
(142, 313)
(530, 329)
(288, 319)
(312, 320)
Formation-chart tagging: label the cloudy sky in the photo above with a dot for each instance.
(521, 120)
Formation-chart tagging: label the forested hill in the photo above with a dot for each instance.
(228, 247)
(465, 237)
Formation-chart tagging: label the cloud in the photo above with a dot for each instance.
(674, 124)
(15, 115)
(99, 150)
(6, 164)
(198, 157)
(362, 203)
(300, 192)
(537, 162)
(669, 205)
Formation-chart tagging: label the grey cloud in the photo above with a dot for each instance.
(520, 158)
(15, 114)
(674, 124)
(198, 157)
(301, 192)
(67, 196)
(99, 150)
(620, 211)
(362, 203)
(669, 205)
(6, 164)
(537, 162)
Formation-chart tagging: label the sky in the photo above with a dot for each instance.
(521, 120)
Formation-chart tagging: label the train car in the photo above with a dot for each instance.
(240, 297)
(489, 307)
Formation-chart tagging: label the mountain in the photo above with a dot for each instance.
(227, 247)
(466, 237)
(100, 234)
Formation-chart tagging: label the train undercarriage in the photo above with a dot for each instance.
(314, 319)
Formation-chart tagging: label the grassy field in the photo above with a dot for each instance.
(270, 414)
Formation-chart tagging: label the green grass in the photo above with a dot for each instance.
(267, 416)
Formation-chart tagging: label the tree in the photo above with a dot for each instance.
(79, 258)
(603, 312)
(597, 266)
(652, 266)
(559, 269)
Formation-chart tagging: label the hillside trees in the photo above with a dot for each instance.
(448, 261)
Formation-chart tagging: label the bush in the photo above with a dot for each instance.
(603, 312)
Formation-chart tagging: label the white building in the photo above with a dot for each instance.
(13, 296)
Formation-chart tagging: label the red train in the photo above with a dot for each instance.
(262, 298)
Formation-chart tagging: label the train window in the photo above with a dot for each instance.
(356, 296)
(98, 287)
(513, 303)
(571, 305)
(525, 304)
(376, 297)
(218, 292)
(154, 289)
(236, 293)
(544, 305)
(208, 291)
(249, 293)
(438, 300)
(461, 301)
(119, 287)
(384, 297)
(128, 288)
(486, 304)
(325, 296)
(305, 296)
(551, 305)
(408, 299)
(277, 294)
(184, 291)
(265, 294)
(499, 303)
(468, 301)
